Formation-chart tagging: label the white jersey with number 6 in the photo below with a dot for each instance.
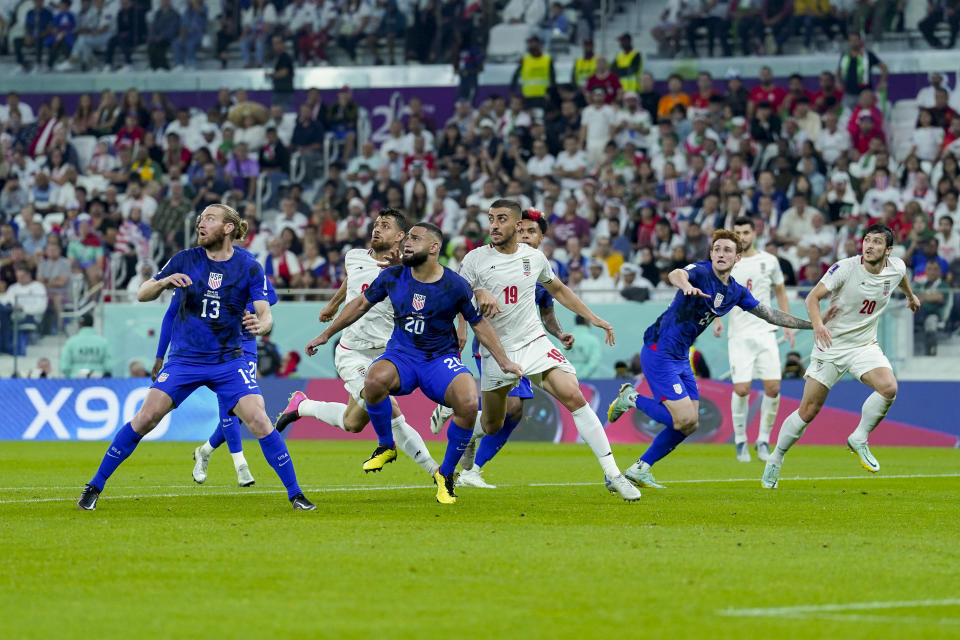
(374, 329)
(512, 279)
(861, 297)
(758, 273)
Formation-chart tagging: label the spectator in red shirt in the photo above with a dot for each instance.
(866, 131)
(814, 268)
(604, 79)
(131, 132)
(701, 99)
(795, 91)
(828, 88)
(766, 91)
(866, 104)
(941, 111)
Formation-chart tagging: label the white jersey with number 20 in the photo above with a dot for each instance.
(861, 297)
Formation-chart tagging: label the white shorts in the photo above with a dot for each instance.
(754, 357)
(534, 358)
(827, 367)
(352, 367)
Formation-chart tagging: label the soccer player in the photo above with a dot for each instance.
(752, 345)
(422, 351)
(706, 291)
(859, 288)
(216, 282)
(533, 227)
(360, 344)
(510, 271)
(228, 428)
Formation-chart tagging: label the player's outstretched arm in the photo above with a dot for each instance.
(552, 324)
(488, 338)
(353, 311)
(565, 296)
(912, 300)
(779, 318)
(328, 312)
(152, 288)
(681, 280)
(262, 322)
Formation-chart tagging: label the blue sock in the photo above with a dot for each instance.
(490, 445)
(665, 442)
(217, 438)
(457, 440)
(120, 449)
(380, 416)
(231, 433)
(275, 451)
(654, 409)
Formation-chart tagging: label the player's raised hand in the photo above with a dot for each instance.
(691, 290)
(252, 323)
(320, 340)
(157, 367)
(913, 302)
(512, 367)
(610, 339)
(393, 258)
(567, 340)
(717, 328)
(486, 304)
(790, 335)
(178, 280)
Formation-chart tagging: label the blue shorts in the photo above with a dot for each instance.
(669, 378)
(523, 390)
(229, 380)
(430, 376)
(227, 419)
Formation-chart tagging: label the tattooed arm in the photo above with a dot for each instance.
(780, 318)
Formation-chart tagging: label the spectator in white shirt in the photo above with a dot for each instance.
(833, 140)
(796, 222)
(920, 193)
(189, 134)
(927, 96)
(289, 217)
(669, 153)
(949, 207)
(368, 156)
(541, 164)
(136, 198)
(28, 295)
(599, 288)
(252, 134)
(949, 239)
(633, 122)
(530, 12)
(927, 138)
(597, 121)
(397, 141)
(823, 236)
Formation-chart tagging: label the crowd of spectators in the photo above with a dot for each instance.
(71, 35)
(633, 182)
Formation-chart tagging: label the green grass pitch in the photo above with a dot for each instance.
(833, 553)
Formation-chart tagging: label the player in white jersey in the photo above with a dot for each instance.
(859, 288)
(504, 276)
(752, 342)
(360, 344)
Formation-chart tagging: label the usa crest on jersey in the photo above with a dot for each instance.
(717, 300)
(214, 280)
(418, 301)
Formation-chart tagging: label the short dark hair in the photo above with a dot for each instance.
(86, 320)
(397, 216)
(432, 228)
(541, 220)
(882, 229)
(505, 203)
(743, 220)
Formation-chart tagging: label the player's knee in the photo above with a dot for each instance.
(772, 389)
(353, 425)
(809, 409)
(743, 392)
(888, 389)
(469, 405)
(375, 389)
(686, 425)
(260, 426)
(572, 399)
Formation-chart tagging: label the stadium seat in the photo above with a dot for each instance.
(508, 42)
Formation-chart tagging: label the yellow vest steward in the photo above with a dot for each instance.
(535, 76)
(583, 68)
(624, 60)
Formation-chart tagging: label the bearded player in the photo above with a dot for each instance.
(859, 287)
(503, 276)
(360, 344)
(752, 343)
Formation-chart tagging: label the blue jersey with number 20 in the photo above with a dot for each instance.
(424, 312)
(207, 327)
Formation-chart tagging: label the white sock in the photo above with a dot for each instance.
(768, 415)
(361, 403)
(206, 449)
(478, 427)
(739, 406)
(470, 453)
(874, 410)
(790, 431)
(591, 430)
(238, 460)
(410, 442)
(329, 412)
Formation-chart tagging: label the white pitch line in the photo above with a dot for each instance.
(835, 611)
(350, 488)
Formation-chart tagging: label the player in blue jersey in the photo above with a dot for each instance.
(533, 227)
(228, 429)
(706, 292)
(216, 282)
(423, 351)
